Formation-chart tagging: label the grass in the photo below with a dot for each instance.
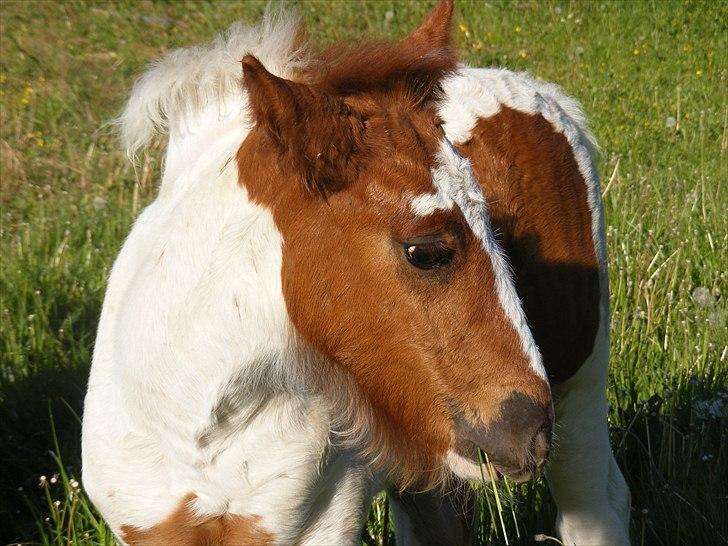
(651, 75)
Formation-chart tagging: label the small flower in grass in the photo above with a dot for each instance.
(716, 318)
(54, 478)
(74, 484)
(670, 122)
(26, 95)
(42, 481)
(57, 504)
(707, 457)
(702, 297)
(98, 203)
(388, 15)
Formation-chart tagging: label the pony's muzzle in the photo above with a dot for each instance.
(518, 440)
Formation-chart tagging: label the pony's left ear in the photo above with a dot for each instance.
(434, 32)
(273, 101)
(317, 134)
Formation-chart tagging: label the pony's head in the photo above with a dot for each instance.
(390, 269)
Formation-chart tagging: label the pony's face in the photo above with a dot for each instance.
(390, 269)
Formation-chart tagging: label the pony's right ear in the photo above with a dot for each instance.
(273, 101)
(434, 32)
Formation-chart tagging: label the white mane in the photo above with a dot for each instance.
(188, 79)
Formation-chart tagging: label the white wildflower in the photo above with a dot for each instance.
(702, 297)
(98, 203)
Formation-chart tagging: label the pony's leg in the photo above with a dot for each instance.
(342, 500)
(431, 518)
(591, 495)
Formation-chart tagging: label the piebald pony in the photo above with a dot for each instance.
(317, 305)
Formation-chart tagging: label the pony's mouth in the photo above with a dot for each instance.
(519, 475)
(474, 464)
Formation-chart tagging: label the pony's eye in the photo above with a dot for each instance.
(428, 255)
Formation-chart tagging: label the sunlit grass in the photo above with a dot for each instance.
(651, 76)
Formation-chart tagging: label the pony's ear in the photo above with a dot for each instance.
(317, 134)
(273, 101)
(434, 32)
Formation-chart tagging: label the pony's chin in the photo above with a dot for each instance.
(465, 468)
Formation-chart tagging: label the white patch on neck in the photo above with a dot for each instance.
(455, 183)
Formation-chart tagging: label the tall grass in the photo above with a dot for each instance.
(651, 75)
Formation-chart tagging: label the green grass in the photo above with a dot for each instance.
(652, 77)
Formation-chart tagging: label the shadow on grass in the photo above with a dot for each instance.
(673, 452)
(26, 452)
(672, 449)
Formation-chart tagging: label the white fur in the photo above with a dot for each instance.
(187, 80)
(197, 384)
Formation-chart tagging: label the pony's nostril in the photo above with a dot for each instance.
(541, 445)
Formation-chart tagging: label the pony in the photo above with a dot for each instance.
(363, 265)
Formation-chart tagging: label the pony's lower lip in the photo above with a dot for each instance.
(517, 476)
(488, 469)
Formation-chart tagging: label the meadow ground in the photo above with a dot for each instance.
(651, 75)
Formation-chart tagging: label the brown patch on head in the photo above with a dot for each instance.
(184, 528)
(425, 345)
(539, 206)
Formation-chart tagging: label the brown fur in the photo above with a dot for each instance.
(184, 528)
(432, 32)
(538, 203)
(427, 349)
